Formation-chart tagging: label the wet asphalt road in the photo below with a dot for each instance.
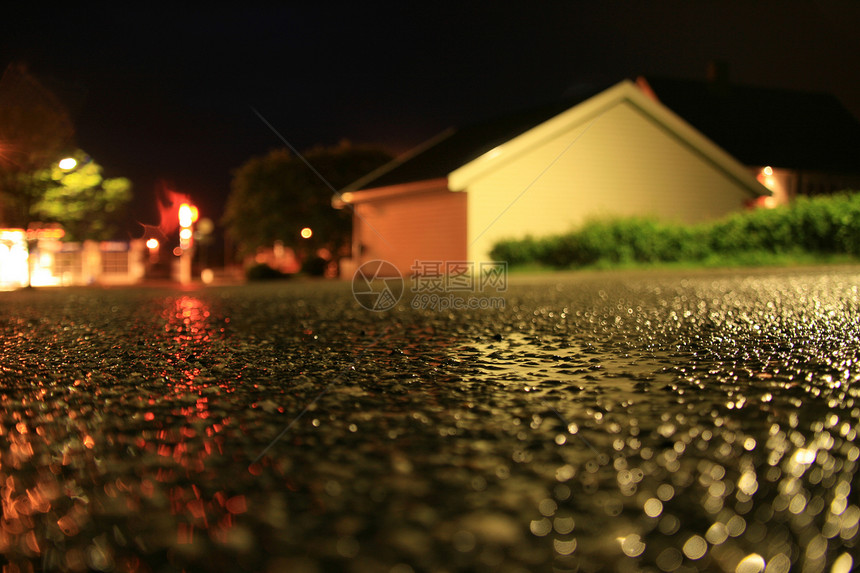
(684, 421)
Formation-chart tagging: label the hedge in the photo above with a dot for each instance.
(810, 225)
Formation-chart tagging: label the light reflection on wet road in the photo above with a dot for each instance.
(660, 422)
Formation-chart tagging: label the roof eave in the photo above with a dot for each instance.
(392, 191)
(590, 111)
(365, 182)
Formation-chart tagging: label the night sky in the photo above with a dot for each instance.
(168, 93)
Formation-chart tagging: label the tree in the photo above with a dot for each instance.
(87, 205)
(35, 131)
(273, 197)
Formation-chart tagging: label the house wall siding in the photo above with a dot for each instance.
(426, 226)
(622, 163)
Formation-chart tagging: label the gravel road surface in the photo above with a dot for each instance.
(648, 421)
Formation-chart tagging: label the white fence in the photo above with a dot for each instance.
(49, 262)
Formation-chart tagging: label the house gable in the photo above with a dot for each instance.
(617, 154)
(589, 112)
(620, 152)
(454, 147)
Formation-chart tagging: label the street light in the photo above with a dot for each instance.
(68, 163)
(188, 214)
(187, 217)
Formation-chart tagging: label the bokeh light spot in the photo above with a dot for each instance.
(695, 547)
(632, 545)
(653, 507)
(752, 563)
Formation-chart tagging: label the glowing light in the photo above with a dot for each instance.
(563, 525)
(748, 483)
(695, 547)
(152, 244)
(42, 272)
(45, 234)
(540, 527)
(752, 563)
(68, 163)
(13, 259)
(653, 507)
(306, 233)
(717, 534)
(766, 177)
(564, 547)
(780, 563)
(15, 235)
(631, 545)
(736, 526)
(493, 153)
(843, 564)
(205, 226)
(804, 456)
(187, 215)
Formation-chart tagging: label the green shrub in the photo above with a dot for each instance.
(314, 266)
(820, 225)
(519, 251)
(263, 272)
(622, 241)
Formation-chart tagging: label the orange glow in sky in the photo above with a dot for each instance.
(169, 205)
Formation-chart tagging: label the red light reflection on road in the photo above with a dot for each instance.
(193, 435)
(188, 320)
(190, 326)
(149, 459)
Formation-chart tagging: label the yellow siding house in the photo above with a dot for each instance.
(617, 153)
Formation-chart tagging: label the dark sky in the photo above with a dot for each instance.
(167, 92)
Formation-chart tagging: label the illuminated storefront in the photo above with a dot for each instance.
(40, 258)
(13, 259)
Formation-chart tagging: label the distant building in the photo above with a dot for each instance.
(40, 258)
(624, 151)
(60, 263)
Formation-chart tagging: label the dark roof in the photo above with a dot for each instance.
(457, 146)
(758, 126)
(765, 126)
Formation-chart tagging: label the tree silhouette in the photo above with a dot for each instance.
(35, 131)
(273, 197)
(87, 205)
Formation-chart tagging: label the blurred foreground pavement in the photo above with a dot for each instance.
(684, 421)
